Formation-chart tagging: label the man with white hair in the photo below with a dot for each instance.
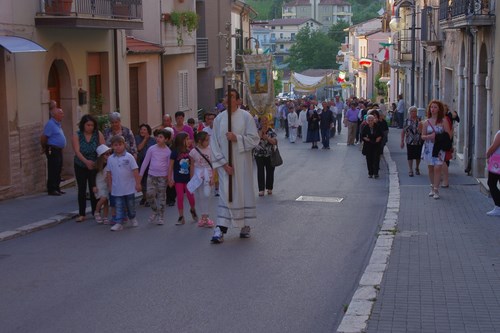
(53, 142)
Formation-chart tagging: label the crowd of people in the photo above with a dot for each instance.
(179, 160)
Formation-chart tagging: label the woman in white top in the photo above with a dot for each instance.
(493, 178)
(434, 125)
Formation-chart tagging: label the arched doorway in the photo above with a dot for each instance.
(59, 87)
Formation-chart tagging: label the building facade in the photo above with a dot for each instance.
(326, 12)
(221, 21)
(283, 33)
(366, 41)
(452, 60)
(85, 58)
(172, 88)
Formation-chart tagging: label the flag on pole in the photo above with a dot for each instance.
(383, 55)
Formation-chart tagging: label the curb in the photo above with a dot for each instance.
(36, 226)
(44, 224)
(356, 318)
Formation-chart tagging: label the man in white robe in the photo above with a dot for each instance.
(241, 212)
(303, 122)
(293, 124)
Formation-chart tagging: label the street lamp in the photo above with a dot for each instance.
(396, 25)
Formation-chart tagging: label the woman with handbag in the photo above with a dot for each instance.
(262, 154)
(493, 156)
(432, 128)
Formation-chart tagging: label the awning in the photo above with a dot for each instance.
(19, 45)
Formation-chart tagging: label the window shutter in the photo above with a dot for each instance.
(183, 90)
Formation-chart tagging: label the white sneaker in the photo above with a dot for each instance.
(494, 212)
(431, 193)
(134, 223)
(117, 227)
(160, 221)
(436, 195)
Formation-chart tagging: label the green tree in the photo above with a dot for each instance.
(364, 10)
(337, 33)
(312, 49)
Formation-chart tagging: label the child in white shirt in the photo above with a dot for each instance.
(202, 180)
(123, 180)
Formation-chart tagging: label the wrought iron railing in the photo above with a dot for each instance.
(449, 9)
(121, 9)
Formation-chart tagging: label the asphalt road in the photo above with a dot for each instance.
(295, 274)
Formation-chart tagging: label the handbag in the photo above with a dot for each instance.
(276, 159)
(494, 164)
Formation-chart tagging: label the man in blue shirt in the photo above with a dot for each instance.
(53, 141)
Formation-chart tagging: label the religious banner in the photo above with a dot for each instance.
(259, 83)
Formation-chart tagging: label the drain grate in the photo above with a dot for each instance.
(319, 199)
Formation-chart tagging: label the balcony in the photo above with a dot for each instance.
(202, 52)
(459, 14)
(95, 14)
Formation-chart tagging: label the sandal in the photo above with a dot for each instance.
(80, 218)
(105, 221)
(410, 173)
(261, 193)
(180, 221)
(209, 223)
(202, 222)
(98, 219)
(269, 192)
(417, 171)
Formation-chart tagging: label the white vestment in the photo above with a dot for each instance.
(303, 122)
(242, 210)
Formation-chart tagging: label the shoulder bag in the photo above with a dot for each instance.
(275, 157)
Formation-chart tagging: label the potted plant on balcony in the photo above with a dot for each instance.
(187, 20)
(61, 7)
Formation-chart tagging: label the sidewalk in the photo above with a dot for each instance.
(443, 270)
(31, 213)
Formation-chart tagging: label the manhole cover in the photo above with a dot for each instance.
(318, 199)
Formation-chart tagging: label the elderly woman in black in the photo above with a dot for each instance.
(262, 154)
(313, 126)
(372, 138)
(412, 130)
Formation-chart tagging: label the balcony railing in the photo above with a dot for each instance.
(115, 14)
(461, 13)
(202, 52)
